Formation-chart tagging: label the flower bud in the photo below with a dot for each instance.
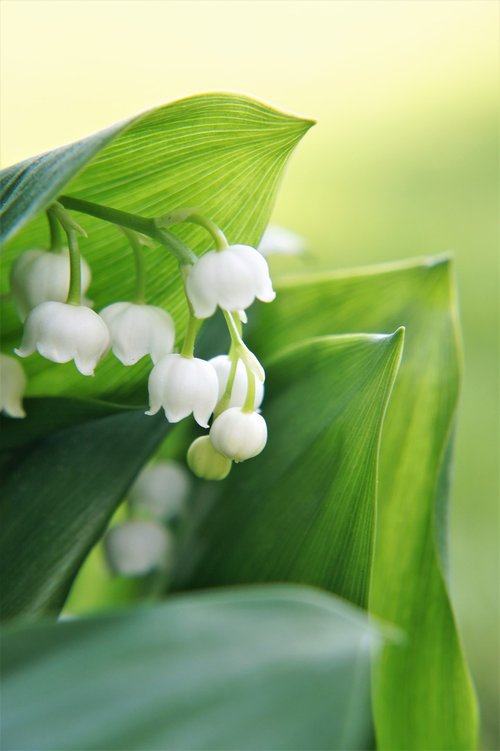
(62, 332)
(39, 276)
(161, 491)
(222, 365)
(206, 462)
(239, 435)
(12, 386)
(136, 548)
(139, 330)
(183, 385)
(230, 279)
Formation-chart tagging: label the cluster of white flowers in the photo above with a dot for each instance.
(227, 389)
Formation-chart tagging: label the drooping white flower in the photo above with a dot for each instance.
(281, 241)
(161, 491)
(183, 385)
(206, 462)
(12, 385)
(39, 276)
(230, 279)
(138, 547)
(222, 365)
(239, 435)
(139, 330)
(62, 332)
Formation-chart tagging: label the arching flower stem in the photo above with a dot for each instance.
(194, 216)
(226, 397)
(72, 230)
(193, 327)
(250, 397)
(75, 275)
(55, 232)
(241, 348)
(140, 271)
(134, 222)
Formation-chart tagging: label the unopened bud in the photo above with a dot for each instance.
(206, 462)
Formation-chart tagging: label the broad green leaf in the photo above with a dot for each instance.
(251, 669)
(58, 495)
(423, 695)
(222, 153)
(303, 510)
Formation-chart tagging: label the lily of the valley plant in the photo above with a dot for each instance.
(48, 288)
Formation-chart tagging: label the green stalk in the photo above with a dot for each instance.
(140, 270)
(75, 280)
(194, 216)
(250, 398)
(133, 222)
(190, 337)
(226, 396)
(55, 232)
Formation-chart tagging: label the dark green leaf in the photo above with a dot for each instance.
(57, 498)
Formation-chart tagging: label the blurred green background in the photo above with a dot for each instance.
(403, 162)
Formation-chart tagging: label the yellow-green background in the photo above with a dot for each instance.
(403, 162)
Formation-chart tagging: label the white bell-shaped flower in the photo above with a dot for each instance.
(39, 276)
(206, 462)
(230, 279)
(239, 435)
(12, 386)
(139, 330)
(161, 491)
(183, 385)
(281, 241)
(62, 332)
(137, 547)
(222, 365)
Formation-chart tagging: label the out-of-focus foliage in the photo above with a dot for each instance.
(255, 668)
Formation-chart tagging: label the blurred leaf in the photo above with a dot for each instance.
(303, 510)
(423, 693)
(257, 669)
(223, 153)
(58, 495)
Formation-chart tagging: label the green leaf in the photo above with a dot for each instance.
(257, 669)
(303, 510)
(45, 416)
(58, 496)
(423, 694)
(222, 153)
